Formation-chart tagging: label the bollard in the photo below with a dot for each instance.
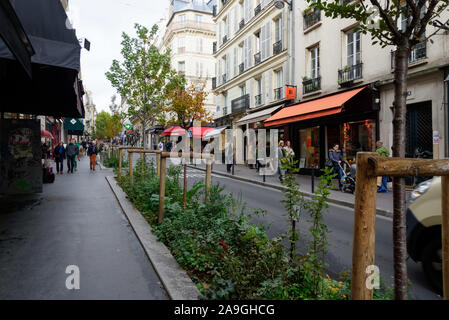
(313, 179)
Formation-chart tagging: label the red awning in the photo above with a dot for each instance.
(173, 131)
(312, 109)
(46, 134)
(198, 132)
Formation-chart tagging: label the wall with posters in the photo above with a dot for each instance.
(20, 156)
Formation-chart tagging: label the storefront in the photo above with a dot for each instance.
(349, 119)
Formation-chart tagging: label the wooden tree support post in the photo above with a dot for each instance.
(162, 190)
(364, 227)
(120, 153)
(158, 163)
(445, 234)
(208, 177)
(130, 160)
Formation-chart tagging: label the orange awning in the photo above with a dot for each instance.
(312, 109)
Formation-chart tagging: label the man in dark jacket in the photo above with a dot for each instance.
(72, 151)
(59, 155)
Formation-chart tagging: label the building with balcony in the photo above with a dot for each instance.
(189, 33)
(252, 61)
(346, 91)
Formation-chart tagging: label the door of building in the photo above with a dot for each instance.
(419, 134)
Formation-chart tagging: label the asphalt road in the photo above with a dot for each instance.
(339, 220)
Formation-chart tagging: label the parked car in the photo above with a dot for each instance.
(424, 230)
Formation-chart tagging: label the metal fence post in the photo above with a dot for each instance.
(162, 190)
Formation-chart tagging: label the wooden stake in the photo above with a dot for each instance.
(162, 190)
(364, 227)
(158, 163)
(445, 234)
(120, 162)
(130, 160)
(208, 177)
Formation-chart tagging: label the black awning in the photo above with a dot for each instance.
(14, 36)
(54, 89)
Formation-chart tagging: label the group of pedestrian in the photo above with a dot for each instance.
(285, 154)
(72, 153)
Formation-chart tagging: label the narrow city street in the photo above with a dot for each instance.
(75, 221)
(340, 221)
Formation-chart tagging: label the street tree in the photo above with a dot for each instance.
(143, 75)
(185, 106)
(107, 125)
(402, 24)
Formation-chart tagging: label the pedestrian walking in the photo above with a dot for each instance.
(282, 158)
(289, 151)
(59, 154)
(382, 152)
(92, 153)
(72, 152)
(337, 159)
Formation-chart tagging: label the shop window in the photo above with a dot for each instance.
(357, 137)
(309, 154)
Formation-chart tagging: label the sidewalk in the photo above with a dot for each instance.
(244, 173)
(75, 221)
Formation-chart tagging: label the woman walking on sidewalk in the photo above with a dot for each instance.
(337, 159)
(282, 158)
(59, 155)
(92, 153)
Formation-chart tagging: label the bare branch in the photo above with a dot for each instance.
(391, 26)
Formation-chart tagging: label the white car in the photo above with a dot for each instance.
(424, 230)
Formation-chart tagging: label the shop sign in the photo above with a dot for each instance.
(290, 93)
(128, 126)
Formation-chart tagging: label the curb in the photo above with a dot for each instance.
(380, 212)
(175, 280)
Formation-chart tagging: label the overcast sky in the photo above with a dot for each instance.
(102, 23)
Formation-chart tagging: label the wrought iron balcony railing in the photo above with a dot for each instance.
(312, 18)
(417, 53)
(350, 73)
(225, 39)
(311, 85)
(224, 78)
(257, 9)
(214, 82)
(278, 93)
(241, 68)
(257, 58)
(241, 24)
(277, 47)
(214, 47)
(258, 99)
(240, 104)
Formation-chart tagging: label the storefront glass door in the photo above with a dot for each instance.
(309, 146)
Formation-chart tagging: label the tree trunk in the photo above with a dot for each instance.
(399, 143)
(143, 135)
(184, 196)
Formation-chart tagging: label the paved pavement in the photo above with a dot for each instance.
(75, 221)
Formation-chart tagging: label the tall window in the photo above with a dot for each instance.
(353, 56)
(199, 45)
(182, 18)
(181, 67)
(242, 90)
(314, 62)
(278, 78)
(277, 29)
(181, 45)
